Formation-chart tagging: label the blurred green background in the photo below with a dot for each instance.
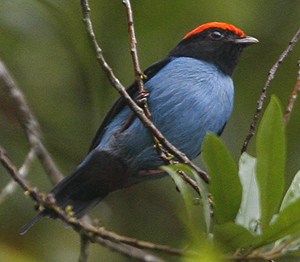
(45, 46)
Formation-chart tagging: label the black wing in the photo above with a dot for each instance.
(121, 102)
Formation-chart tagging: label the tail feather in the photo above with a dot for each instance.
(31, 223)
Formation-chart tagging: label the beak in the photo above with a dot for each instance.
(248, 40)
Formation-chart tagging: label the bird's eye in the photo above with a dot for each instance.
(216, 35)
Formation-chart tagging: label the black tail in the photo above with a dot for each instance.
(99, 174)
(31, 223)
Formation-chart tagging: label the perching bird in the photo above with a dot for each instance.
(191, 93)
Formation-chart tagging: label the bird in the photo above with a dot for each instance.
(191, 93)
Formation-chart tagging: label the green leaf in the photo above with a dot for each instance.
(204, 252)
(225, 185)
(204, 193)
(195, 223)
(249, 213)
(293, 192)
(10, 254)
(271, 156)
(231, 237)
(286, 223)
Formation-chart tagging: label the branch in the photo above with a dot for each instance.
(29, 123)
(292, 99)
(132, 104)
(139, 76)
(11, 186)
(133, 47)
(84, 248)
(129, 251)
(13, 170)
(271, 76)
(140, 243)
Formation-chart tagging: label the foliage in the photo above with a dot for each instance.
(253, 219)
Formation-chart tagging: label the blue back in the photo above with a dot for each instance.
(188, 98)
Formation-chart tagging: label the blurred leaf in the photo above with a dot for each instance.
(249, 212)
(271, 158)
(205, 252)
(286, 223)
(204, 193)
(195, 216)
(225, 185)
(232, 237)
(293, 244)
(205, 200)
(12, 255)
(293, 192)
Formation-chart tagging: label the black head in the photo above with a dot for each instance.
(217, 43)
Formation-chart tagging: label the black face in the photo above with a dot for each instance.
(213, 45)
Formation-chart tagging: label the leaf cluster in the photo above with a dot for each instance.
(253, 217)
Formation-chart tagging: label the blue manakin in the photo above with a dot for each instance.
(191, 93)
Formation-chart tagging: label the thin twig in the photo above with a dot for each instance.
(132, 252)
(132, 104)
(293, 98)
(271, 76)
(29, 123)
(84, 248)
(13, 170)
(114, 237)
(12, 185)
(139, 75)
(139, 243)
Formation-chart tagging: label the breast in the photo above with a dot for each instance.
(189, 98)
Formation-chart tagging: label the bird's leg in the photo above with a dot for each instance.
(147, 173)
(128, 122)
(142, 98)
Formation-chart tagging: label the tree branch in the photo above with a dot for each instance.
(293, 98)
(140, 243)
(139, 76)
(84, 248)
(13, 170)
(133, 47)
(29, 123)
(24, 169)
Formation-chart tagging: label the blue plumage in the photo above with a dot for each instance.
(200, 101)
